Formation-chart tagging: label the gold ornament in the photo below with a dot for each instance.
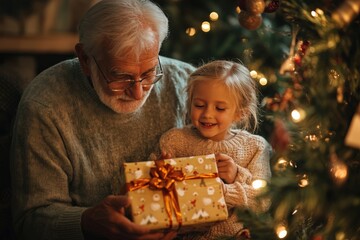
(255, 6)
(346, 12)
(249, 21)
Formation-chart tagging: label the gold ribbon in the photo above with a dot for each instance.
(163, 177)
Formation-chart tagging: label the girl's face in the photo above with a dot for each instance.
(213, 110)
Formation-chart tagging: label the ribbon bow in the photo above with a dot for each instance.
(163, 177)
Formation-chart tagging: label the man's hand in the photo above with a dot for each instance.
(108, 220)
(227, 167)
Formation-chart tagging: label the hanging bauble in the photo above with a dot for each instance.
(297, 59)
(280, 137)
(272, 6)
(249, 21)
(255, 6)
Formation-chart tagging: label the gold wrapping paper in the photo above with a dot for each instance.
(183, 193)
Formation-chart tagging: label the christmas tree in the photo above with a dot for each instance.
(314, 188)
(306, 57)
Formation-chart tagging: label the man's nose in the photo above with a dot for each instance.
(137, 91)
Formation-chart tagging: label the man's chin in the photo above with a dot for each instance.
(126, 106)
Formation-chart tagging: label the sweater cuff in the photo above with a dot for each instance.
(68, 225)
(235, 195)
(243, 175)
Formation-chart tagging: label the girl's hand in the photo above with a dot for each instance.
(227, 167)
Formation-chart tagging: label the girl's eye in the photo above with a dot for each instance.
(220, 109)
(198, 105)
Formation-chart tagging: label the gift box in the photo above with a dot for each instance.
(180, 193)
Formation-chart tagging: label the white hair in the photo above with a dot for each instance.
(125, 27)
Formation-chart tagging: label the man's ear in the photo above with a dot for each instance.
(83, 58)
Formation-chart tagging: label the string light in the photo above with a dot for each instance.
(319, 11)
(190, 31)
(263, 81)
(205, 26)
(259, 183)
(304, 181)
(253, 74)
(338, 169)
(340, 236)
(214, 16)
(298, 115)
(281, 231)
(314, 14)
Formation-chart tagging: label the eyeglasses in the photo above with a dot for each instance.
(121, 82)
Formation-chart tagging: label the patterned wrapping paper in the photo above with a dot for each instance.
(199, 197)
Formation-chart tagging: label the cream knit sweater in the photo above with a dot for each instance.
(251, 154)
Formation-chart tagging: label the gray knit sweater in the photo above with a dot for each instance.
(252, 155)
(68, 146)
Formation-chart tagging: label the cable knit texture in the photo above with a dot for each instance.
(250, 152)
(68, 147)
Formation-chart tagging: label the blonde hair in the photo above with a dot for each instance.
(127, 27)
(241, 86)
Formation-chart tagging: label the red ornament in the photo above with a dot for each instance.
(280, 137)
(297, 59)
(317, 237)
(272, 6)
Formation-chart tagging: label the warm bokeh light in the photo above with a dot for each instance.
(304, 181)
(191, 31)
(205, 26)
(253, 74)
(281, 231)
(259, 183)
(263, 81)
(314, 14)
(214, 16)
(319, 11)
(298, 115)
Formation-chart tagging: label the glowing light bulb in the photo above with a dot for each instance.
(304, 181)
(205, 26)
(253, 74)
(281, 231)
(259, 183)
(263, 81)
(190, 31)
(338, 169)
(314, 14)
(214, 16)
(298, 115)
(319, 11)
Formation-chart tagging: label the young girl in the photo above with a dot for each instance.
(221, 94)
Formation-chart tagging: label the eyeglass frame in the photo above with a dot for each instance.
(157, 78)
